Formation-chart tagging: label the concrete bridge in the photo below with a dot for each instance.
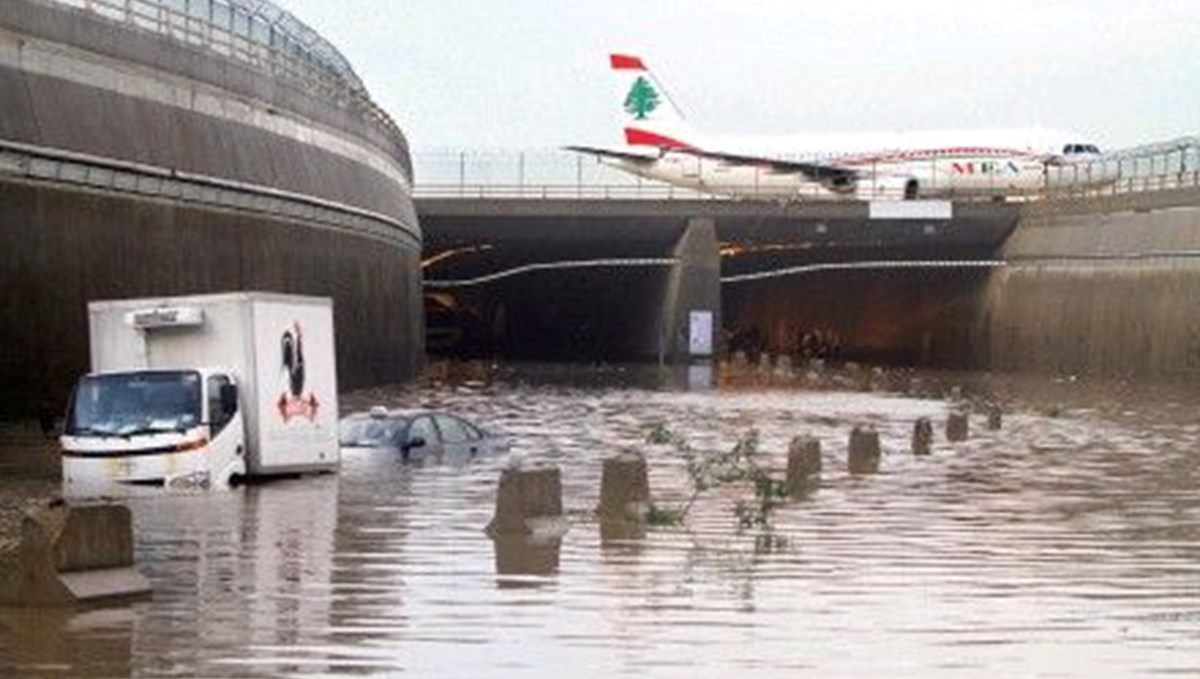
(1057, 284)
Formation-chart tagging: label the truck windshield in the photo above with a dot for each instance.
(128, 404)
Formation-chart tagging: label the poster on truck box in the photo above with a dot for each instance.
(297, 385)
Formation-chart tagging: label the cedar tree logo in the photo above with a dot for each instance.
(642, 98)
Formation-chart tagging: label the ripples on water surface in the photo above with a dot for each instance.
(1067, 543)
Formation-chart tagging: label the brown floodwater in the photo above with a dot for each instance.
(1067, 543)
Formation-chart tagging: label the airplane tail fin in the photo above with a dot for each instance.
(650, 118)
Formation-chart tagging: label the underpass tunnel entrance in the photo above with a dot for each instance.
(563, 288)
(564, 315)
(613, 288)
(916, 317)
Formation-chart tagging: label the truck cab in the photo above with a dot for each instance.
(178, 427)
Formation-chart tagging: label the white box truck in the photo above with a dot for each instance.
(192, 391)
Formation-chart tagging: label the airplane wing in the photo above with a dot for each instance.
(821, 172)
(610, 153)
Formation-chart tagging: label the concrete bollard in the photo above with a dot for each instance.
(69, 555)
(622, 534)
(764, 362)
(995, 418)
(739, 359)
(624, 488)
(957, 426)
(804, 465)
(922, 438)
(528, 502)
(864, 450)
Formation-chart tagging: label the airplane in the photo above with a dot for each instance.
(662, 145)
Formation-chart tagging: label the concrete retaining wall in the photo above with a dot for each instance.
(1097, 294)
(64, 247)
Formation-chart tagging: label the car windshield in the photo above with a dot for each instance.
(368, 432)
(128, 404)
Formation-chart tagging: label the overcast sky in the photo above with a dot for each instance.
(534, 74)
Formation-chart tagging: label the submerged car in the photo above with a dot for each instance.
(418, 432)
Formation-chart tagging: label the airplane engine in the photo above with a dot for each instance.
(895, 187)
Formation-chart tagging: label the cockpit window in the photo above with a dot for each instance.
(1072, 149)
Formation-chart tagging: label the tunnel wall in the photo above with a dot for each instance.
(1109, 294)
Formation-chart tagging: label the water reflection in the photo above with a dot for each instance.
(53, 641)
(521, 555)
(623, 534)
(1065, 543)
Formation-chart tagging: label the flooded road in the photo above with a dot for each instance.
(1067, 543)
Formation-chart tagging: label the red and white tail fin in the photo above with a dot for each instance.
(650, 118)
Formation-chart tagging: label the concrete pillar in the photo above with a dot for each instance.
(624, 488)
(922, 438)
(957, 426)
(693, 287)
(528, 502)
(864, 450)
(804, 465)
(69, 555)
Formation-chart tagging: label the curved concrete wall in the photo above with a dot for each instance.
(1100, 294)
(75, 82)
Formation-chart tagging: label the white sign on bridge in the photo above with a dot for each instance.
(911, 209)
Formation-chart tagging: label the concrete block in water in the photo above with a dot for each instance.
(957, 426)
(624, 488)
(864, 452)
(804, 465)
(623, 533)
(528, 502)
(995, 418)
(922, 438)
(70, 555)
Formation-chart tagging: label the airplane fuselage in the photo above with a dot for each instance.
(933, 164)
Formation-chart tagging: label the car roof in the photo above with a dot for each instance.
(399, 413)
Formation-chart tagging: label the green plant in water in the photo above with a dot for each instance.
(712, 470)
(664, 516)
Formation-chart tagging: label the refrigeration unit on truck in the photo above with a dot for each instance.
(192, 391)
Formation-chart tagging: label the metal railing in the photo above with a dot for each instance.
(255, 32)
(554, 174)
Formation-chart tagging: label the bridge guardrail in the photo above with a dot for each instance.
(559, 175)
